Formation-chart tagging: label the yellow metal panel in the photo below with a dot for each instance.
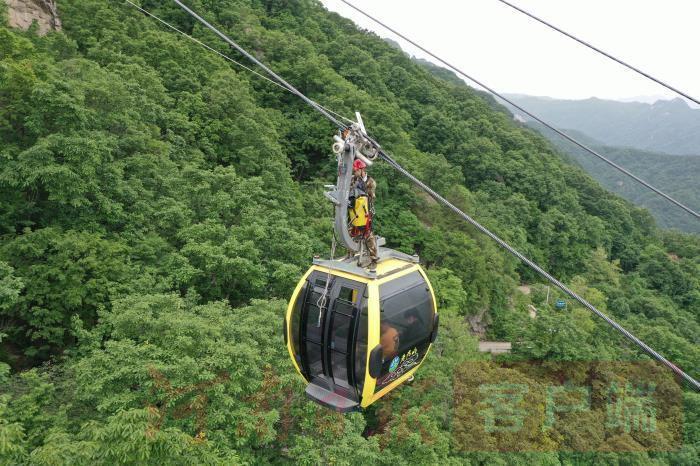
(340, 273)
(391, 266)
(288, 316)
(430, 286)
(373, 319)
(372, 340)
(408, 374)
(397, 275)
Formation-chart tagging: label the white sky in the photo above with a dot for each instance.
(515, 54)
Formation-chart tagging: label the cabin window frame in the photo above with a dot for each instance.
(408, 355)
(346, 357)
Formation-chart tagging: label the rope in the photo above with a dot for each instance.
(322, 300)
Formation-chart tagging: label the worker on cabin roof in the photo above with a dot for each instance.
(362, 181)
(362, 193)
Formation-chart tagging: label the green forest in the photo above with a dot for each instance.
(159, 204)
(676, 175)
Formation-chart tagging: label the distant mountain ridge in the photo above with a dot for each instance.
(677, 175)
(667, 126)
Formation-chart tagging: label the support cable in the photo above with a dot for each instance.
(250, 57)
(559, 132)
(694, 383)
(226, 57)
(602, 52)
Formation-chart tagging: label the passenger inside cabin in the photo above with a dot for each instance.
(389, 340)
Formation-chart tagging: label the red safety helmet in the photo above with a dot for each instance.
(358, 165)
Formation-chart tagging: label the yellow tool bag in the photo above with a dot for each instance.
(359, 212)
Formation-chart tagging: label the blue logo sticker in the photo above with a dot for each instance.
(394, 364)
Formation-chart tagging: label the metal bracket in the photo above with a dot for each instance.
(355, 145)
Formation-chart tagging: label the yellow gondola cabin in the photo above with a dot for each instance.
(355, 335)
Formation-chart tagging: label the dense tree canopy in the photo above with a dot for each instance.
(159, 204)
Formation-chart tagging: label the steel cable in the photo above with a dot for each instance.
(559, 132)
(226, 57)
(694, 383)
(602, 52)
(250, 57)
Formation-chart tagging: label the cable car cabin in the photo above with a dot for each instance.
(355, 335)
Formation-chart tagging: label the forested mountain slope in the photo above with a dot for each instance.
(668, 126)
(676, 175)
(159, 204)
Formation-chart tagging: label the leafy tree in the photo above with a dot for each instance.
(159, 204)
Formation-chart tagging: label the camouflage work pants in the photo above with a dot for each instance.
(371, 243)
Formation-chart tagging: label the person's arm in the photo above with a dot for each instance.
(371, 188)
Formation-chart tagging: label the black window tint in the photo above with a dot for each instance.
(314, 324)
(406, 324)
(326, 329)
(342, 305)
(320, 282)
(295, 323)
(409, 281)
(361, 350)
(340, 373)
(410, 313)
(315, 358)
(341, 332)
(347, 294)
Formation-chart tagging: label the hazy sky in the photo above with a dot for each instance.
(515, 54)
